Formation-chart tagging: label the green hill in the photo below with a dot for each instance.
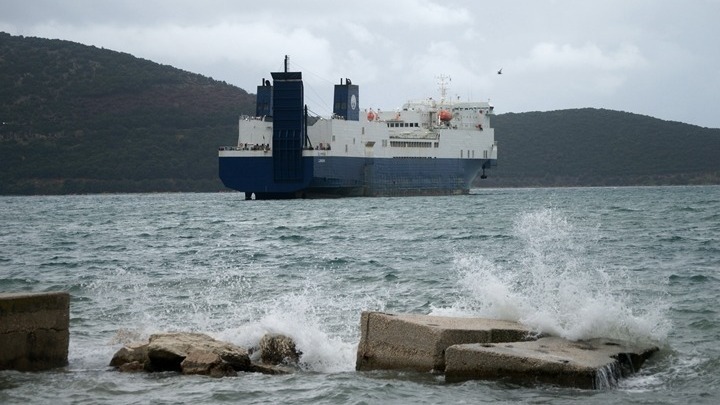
(597, 147)
(79, 119)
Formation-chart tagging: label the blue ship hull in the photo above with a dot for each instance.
(350, 176)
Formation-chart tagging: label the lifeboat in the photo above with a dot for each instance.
(445, 115)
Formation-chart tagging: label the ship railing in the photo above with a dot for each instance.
(247, 146)
(321, 146)
(414, 135)
(254, 118)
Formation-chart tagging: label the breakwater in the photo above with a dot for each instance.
(34, 330)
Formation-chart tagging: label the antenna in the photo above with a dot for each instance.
(442, 83)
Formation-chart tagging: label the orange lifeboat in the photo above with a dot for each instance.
(445, 115)
(371, 116)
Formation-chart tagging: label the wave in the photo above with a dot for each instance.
(554, 287)
(695, 278)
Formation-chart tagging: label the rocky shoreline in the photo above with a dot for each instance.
(459, 348)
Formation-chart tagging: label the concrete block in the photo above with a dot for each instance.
(34, 330)
(591, 364)
(418, 342)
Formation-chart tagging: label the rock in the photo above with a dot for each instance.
(130, 354)
(197, 353)
(278, 349)
(418, 342)
(167, 351)
(273, 369)
(132, 367)
(597, 363)
(189, 353)
(206, 363)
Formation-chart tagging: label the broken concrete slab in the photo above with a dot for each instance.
(418, 342)
(34, 330)
(590, 364)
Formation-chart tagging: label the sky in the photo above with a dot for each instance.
(653, 57)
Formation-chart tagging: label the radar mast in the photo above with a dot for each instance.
(443, 80)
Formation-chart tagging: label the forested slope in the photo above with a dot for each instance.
(81, 119)
(595, 147)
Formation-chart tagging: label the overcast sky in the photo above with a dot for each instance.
(653, 57)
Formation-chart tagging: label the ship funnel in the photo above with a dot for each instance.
(263, 100)
(347, 101)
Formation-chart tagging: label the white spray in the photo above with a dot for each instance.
(554, 287)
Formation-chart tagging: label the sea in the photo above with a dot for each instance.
(635, 263)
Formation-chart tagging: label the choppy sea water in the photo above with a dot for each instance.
(633, 263)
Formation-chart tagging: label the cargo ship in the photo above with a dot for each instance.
(427, 147)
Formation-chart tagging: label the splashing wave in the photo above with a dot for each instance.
(554, 286)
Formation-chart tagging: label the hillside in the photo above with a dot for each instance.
(79, 119)
(597, 147)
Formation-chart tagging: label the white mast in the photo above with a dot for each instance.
(442, 82)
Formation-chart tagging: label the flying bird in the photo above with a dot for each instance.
(500, 71)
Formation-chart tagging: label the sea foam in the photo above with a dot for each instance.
(298, 315)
